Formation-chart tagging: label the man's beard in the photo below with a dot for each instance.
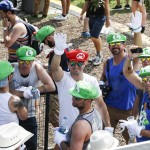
(51, 44)
(119, 51)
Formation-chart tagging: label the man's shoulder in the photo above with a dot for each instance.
(14, 97)
(80, 123)
(88, 77)
(19, 25)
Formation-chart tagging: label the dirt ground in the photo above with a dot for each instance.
(73, 30)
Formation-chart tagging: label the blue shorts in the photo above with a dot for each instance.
(95, 25)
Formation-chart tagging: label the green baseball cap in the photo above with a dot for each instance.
(116, 37)
(146, 53)
(145, 71)
(26, 53)
(84, 90)
(5, 69)
(44, 32)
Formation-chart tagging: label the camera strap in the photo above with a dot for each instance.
(107, 69)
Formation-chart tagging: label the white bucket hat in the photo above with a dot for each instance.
(12, 136)
(102, 140)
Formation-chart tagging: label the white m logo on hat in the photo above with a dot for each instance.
(80, 56)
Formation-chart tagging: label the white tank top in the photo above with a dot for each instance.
(31, 80)
(6, 116)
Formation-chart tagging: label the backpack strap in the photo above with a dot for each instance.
(107, 69)
(30, 30)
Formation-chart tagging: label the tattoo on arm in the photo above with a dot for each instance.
(17, 103)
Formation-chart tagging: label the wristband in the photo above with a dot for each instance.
(4, 28)
(131, 58)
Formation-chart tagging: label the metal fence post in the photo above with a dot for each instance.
(46, 120)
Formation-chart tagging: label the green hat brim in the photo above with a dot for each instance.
(74, 93)
(144, 74)
(27, 58)
(142, 56)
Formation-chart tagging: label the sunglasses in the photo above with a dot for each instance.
(115, 44)
(76, 98)
(27, 62)
(145, 79)
(144, 59)
(73, 64)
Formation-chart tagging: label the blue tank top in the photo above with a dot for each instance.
(123, 93)
(144, 114)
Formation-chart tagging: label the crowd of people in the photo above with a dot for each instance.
(75, 95)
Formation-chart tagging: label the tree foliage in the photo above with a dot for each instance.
(147, 3)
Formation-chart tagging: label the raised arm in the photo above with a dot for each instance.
(16, 106)
(131, 75)
(60, 45)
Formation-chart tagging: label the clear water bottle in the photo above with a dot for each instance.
(63, 126)
(35, 93)
(131, 135)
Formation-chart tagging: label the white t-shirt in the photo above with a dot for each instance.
(65, 99)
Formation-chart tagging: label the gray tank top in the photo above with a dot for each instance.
(95, 121)
(31, 80)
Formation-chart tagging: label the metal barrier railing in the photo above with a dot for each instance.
(44, 140)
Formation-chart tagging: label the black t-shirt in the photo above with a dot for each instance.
(96, 8)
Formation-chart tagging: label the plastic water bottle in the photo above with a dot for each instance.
(35, 93)
(131, 135)
(63, 126)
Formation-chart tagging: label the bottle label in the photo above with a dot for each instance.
(35, 93)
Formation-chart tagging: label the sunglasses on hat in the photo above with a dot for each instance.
(27, 62)
(145, 79)
(144, 59)
(115, 44)
(73, 64)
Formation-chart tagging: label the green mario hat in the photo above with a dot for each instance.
(84, 90)
(5, 69)
(116, 37)
(26, 53)
(146, 53)
(44, 32)
(145, 71)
